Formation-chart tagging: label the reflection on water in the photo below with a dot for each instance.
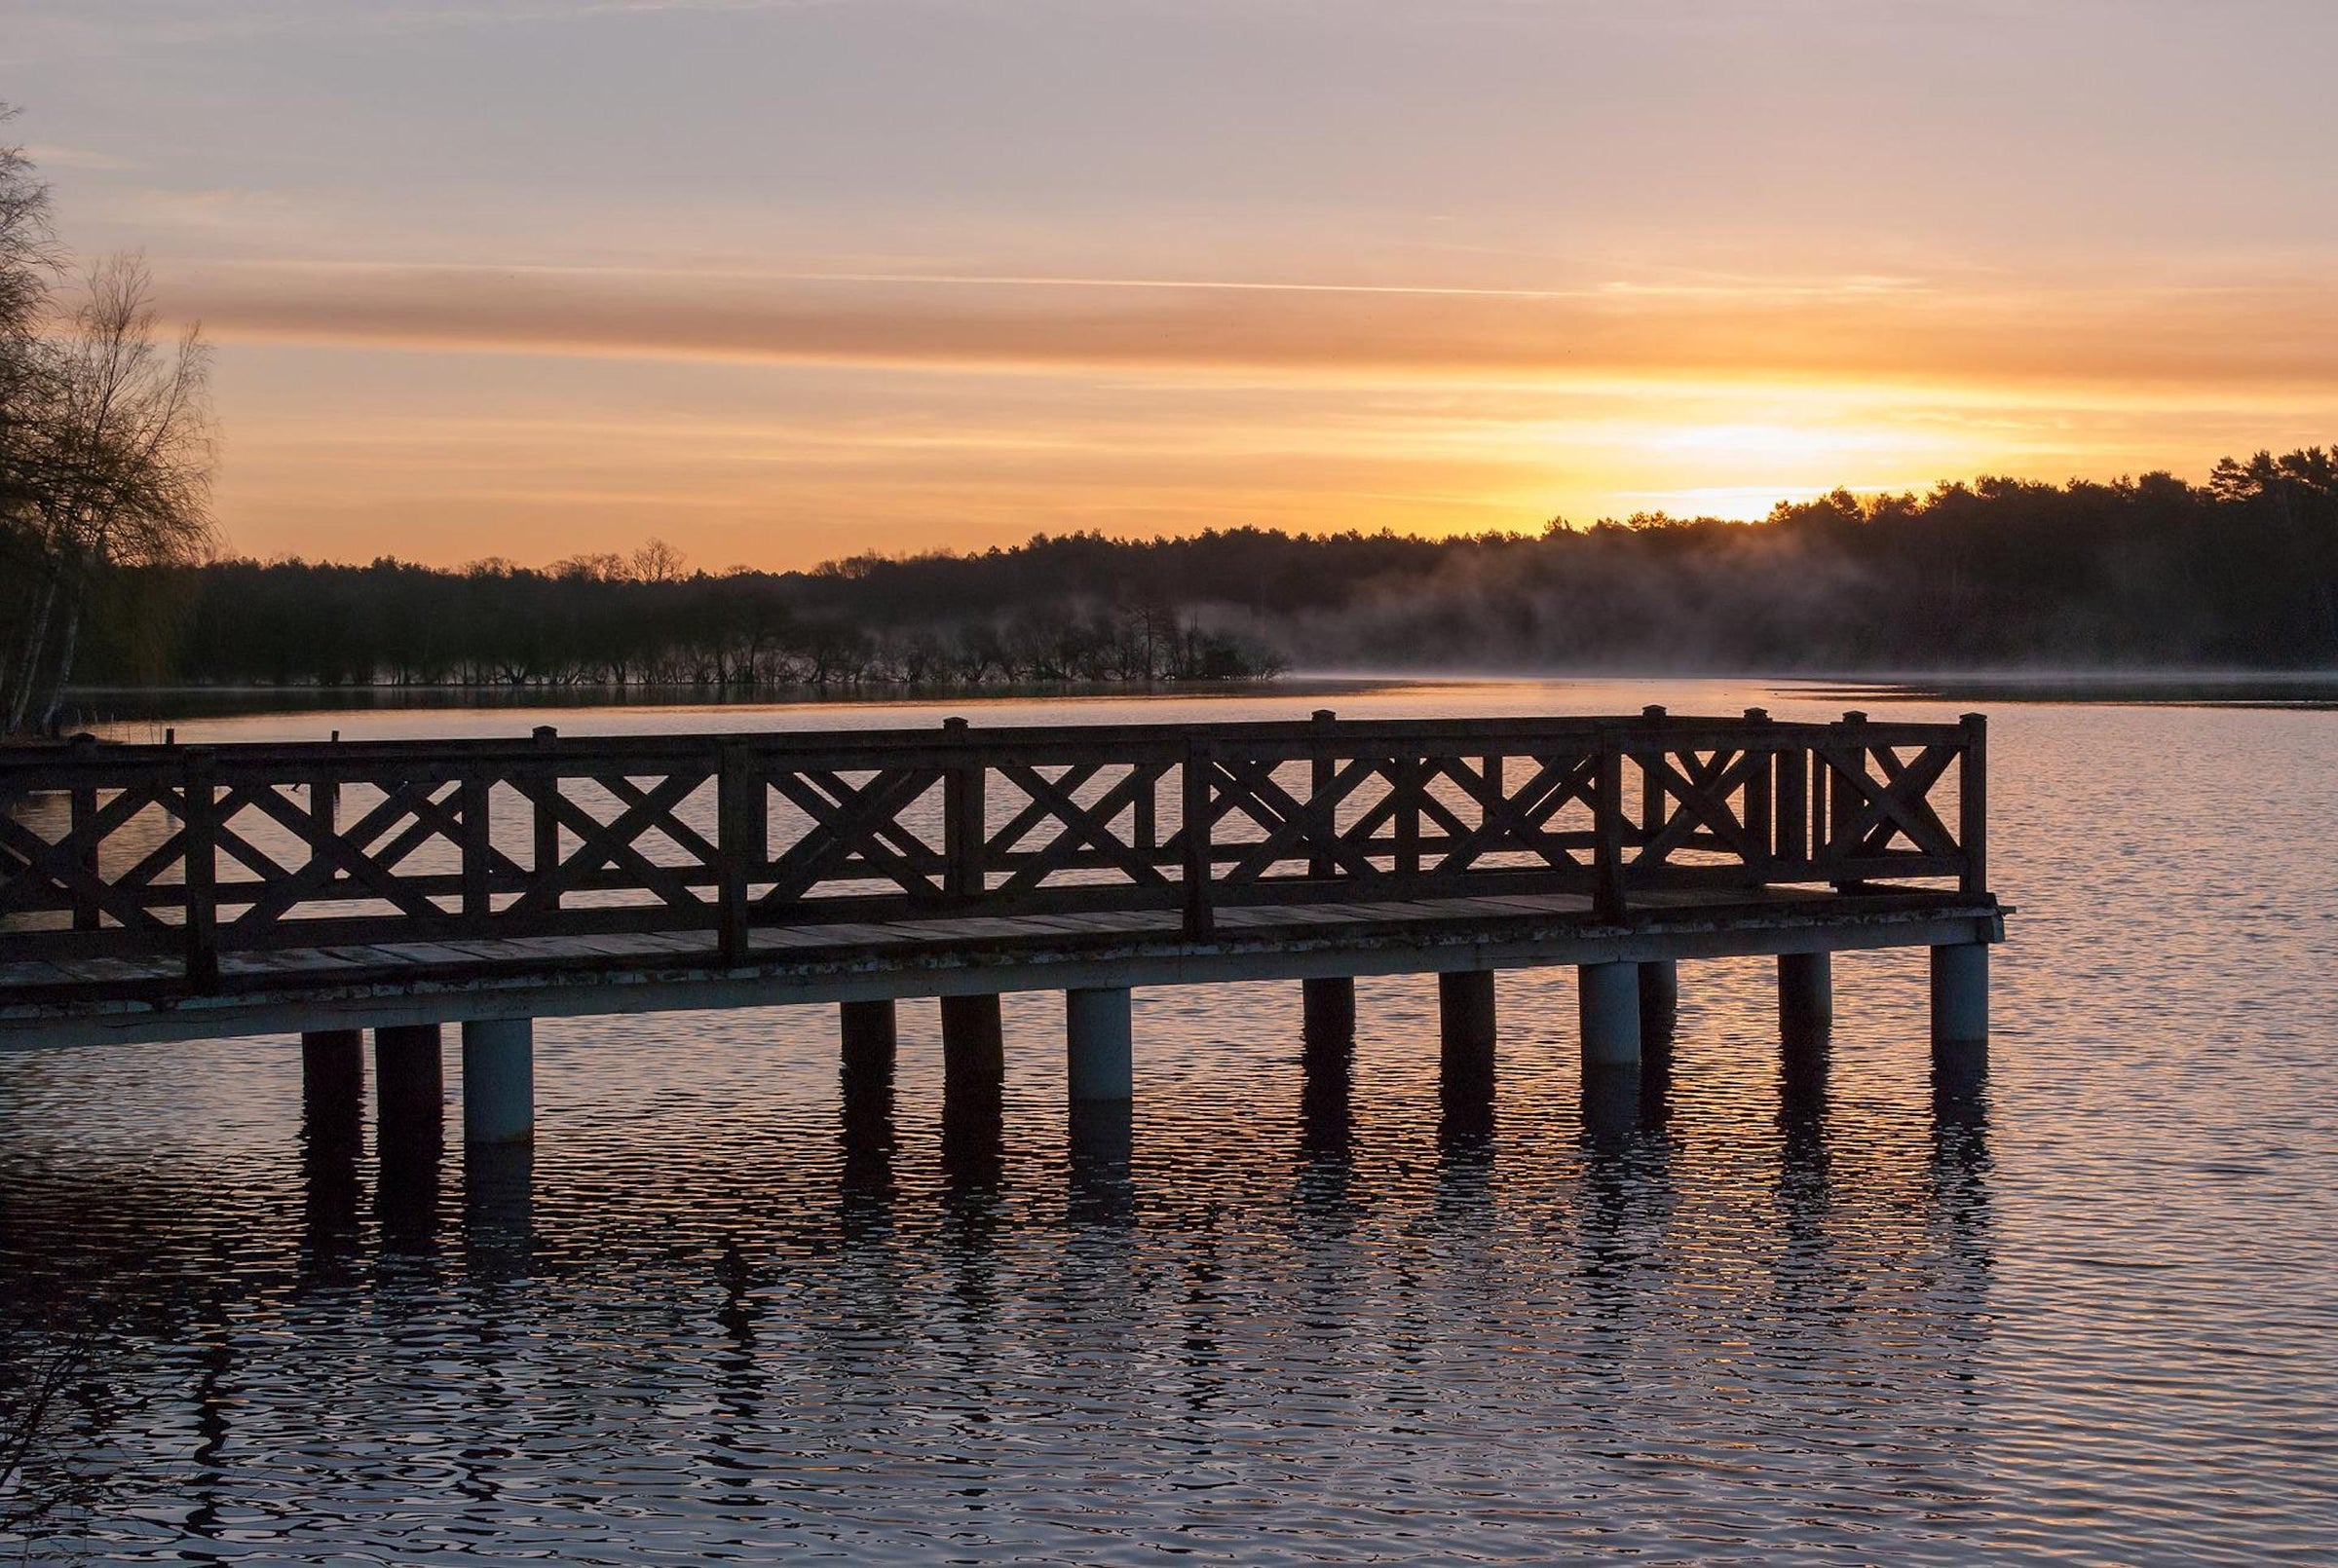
(1299, 1304)
(498, 1212)
(1103, 1148)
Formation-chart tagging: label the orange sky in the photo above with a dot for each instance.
(784, 281)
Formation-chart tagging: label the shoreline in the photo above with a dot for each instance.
(2290, 690)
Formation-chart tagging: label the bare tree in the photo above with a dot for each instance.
(29, 256)
(27, 265)
(119, 472)
(658, 562)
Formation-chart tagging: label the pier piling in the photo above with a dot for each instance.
(332, 1080)
(1465, 1023)
(1099, 1044)
(1960, 1000)
(1328, 1008)
(973, 1040)
(1607, 1005)
(869, 1036)
(498, 1081)
(410, 1080)
(1805, 996)
(1659, 999)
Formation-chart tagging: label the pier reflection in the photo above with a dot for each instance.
(1804, 1194)
(974, 1138)
(1324, 1167)
(867, 1141)
(1465, 1110)
(793, 1283)
(498, 1212)
(406, 1190)
(1326, 1112)
(1626, 1186)
(973, 1211)
(1465, 1139)
(1961, 1163)
(1611, 1098)
(1103, 1140)
(332, 1143)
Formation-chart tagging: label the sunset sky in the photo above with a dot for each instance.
(783, 279)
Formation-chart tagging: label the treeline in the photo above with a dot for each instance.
(2239, 571)
(603, 620)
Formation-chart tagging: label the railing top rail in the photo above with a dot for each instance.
(1462, 736)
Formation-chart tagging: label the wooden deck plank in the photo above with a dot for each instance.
(287, 961)
(117, 971)
(789, 938)
(1367, 922)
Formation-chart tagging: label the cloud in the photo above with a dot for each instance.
(53, 157)
(102, 27)
(2278, 334)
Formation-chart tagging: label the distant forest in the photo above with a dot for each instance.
(2241, 571)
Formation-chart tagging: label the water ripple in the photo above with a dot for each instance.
(1765, 1306)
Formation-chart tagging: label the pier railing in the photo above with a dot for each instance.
(199, 852)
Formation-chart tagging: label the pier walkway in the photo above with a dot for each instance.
(180, 892)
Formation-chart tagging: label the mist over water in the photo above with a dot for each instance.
(1773, 1304)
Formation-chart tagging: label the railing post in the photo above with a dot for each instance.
(1195, 825)
(324, 811)
(477, 844)
(1763, 756)
(1144, 817)
(201, 829)
(1847, 756)
(1321, 770)
(1792, 808)
(1972, 805)
(1651, 778)
(85, 856)
(545, 858)
(1415, 774)
(965, 821)
(734, 849)
(1608, 828)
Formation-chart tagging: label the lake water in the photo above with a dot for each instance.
(2087, 1309)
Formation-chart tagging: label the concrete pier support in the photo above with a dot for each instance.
(498, 1081)
(1099, 1044)
(1659, 999)
(1465, 1022)
(869, 1037)
(1960, 1000)
(1607, 1005)
(973, 1041)
(1805, 996)
(410, 1080)
(333, 1083)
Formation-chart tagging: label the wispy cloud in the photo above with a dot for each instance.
(50, 156)
(112, 26)
(2278, 332)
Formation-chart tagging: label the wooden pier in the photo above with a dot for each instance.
(181, 892)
